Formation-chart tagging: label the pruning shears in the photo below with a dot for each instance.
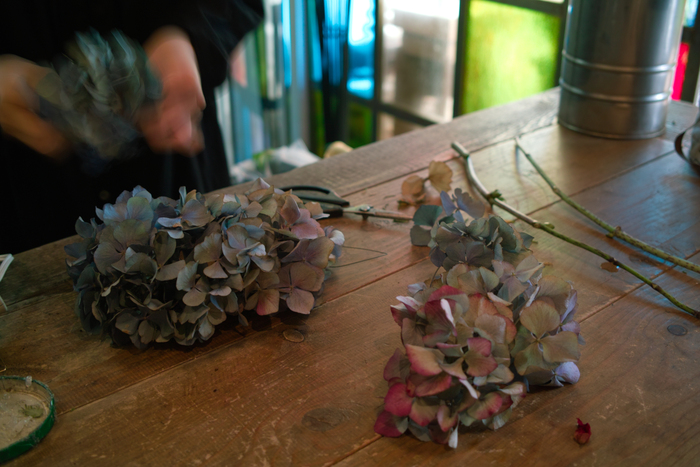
(335, 206)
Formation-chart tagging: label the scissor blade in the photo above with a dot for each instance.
(365, 210)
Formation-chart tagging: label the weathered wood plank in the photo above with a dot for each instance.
(305, 403)
(85, 370)
(638, 391)
(279, 378)
(257, 401)
(573, 161)
(35, 276)
(365, 167)
(84, 376)
(42, 268)
(46, 340)
(656, 203)
(385, 160)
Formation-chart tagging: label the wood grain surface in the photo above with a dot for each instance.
(638, 391)
(251, 397)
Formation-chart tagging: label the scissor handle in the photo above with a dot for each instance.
(325, 195)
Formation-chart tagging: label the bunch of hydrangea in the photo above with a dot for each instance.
(99, 86)
(492, 326)
(158, 269)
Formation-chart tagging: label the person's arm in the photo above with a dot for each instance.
(19, 104)
(173, 124)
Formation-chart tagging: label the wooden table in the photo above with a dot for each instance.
(251, 397)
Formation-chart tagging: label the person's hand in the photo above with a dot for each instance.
(173, 124)
(19, 104)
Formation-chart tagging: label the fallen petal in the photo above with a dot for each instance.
(583, 432)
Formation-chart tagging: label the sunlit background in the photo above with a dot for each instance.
(359, 71)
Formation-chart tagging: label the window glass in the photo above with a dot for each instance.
(393, 126)
(511, 54)
(361, 48)
(419, 41)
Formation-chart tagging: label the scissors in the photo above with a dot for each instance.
(335, 206)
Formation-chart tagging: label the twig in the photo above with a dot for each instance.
(471, 175)
(614, 231)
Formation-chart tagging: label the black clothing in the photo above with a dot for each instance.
(40, 200)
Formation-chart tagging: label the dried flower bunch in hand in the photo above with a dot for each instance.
(96, 92)
(158, 269)
(492, 325)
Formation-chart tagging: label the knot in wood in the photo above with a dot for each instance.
(292, 335)
(323, 419)
(677, 330)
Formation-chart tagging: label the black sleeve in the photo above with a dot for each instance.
(215, 27)
(38, 30)
(220, 32)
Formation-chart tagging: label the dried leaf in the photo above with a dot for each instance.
(412, 187)
(440, 176)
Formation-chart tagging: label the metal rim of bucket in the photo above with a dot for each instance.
(661, 96)
(617, 69)
(25, 444)
(610, 135)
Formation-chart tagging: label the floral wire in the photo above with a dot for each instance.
(381, 253)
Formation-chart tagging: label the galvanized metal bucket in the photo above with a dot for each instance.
(617, 66)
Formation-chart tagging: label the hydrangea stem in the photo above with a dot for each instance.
(471, 176)
(614, 231)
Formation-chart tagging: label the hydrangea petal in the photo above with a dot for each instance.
(268, 302)
(300, 301)
(397, 368)
(195, 296)
(440, 175)
(446, 418)
(305, 277)
(410, 334)
(480, 345)
(186, 278)
(209, 249)
(432, 385)
(455, 369)
(568, 372)
(127, 323)
(397, 400)
(530, 360)
(486, 407)
(139, 208)
(424, 361)
(562, 347)
(387, 425)
(195, 213)
(290, 211)
(539, 318)
(422, 412)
